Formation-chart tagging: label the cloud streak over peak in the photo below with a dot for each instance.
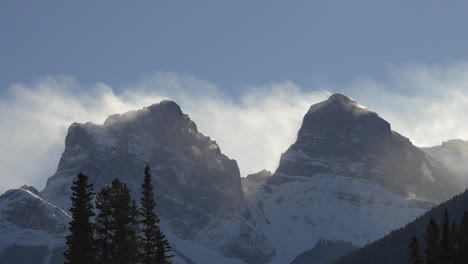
(428, 104)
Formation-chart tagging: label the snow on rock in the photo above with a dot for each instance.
(28, 220)
(348, 177)
(297, 214)
(198, 189)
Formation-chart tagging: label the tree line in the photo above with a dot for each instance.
(120, 231)
(448, 244)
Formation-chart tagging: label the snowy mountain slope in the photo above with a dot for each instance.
(339, 137)
(298, 213)
(453, 154)
(198, 189)
(29, 224)
(347, 177)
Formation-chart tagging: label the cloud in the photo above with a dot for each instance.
(428, 104)
(254, 130)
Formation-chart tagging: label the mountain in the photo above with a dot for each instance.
(198, 189)
(339, 136)
(348, 177)
(32, 229)
(393, 248)
(453, 154)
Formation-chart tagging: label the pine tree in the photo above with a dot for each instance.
(163, 253)
(156, 248)
(414, 255)
(80, 241)
(134, 239)
(455, 253)
(104, 225)
(463, 236)
(122, 217)
(446, 239)
(432, 251)
(115, 225)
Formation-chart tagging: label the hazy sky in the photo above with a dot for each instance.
(245, 71)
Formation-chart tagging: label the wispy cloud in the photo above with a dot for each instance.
(428, 104)
(253, 130)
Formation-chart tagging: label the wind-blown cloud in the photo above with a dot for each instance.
(428, 104)
(254, 130)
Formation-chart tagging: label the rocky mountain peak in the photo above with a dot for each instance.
(340, 102)
(340, 137)
(166, 110)
(341, 114)
(341, 99)
(198, 187)
(166, 106)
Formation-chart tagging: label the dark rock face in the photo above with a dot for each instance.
(196, 185)
(345, 173)
(339, 137)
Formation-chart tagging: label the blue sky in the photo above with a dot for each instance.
(245, 71)
(230, 43)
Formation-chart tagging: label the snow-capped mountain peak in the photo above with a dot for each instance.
(348, 177)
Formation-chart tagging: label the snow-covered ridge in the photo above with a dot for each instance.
(297, 214)
(348, 177)
(45, 202)
(198, 188)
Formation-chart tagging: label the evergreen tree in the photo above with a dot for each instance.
(150, 220)
(134, 239)
(156, 248)
(463, 237)
(80, 241)
(163, 254)
(116, 225)
(432, 251)
(414, 255)
(446, 239)
(104, 225)
(455, 253)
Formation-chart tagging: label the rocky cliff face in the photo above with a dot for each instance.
(198, 189)
(348, 177)
(340, 137)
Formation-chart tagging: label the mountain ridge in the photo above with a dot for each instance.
(344, 175)
(340, 168)
(198, 188)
